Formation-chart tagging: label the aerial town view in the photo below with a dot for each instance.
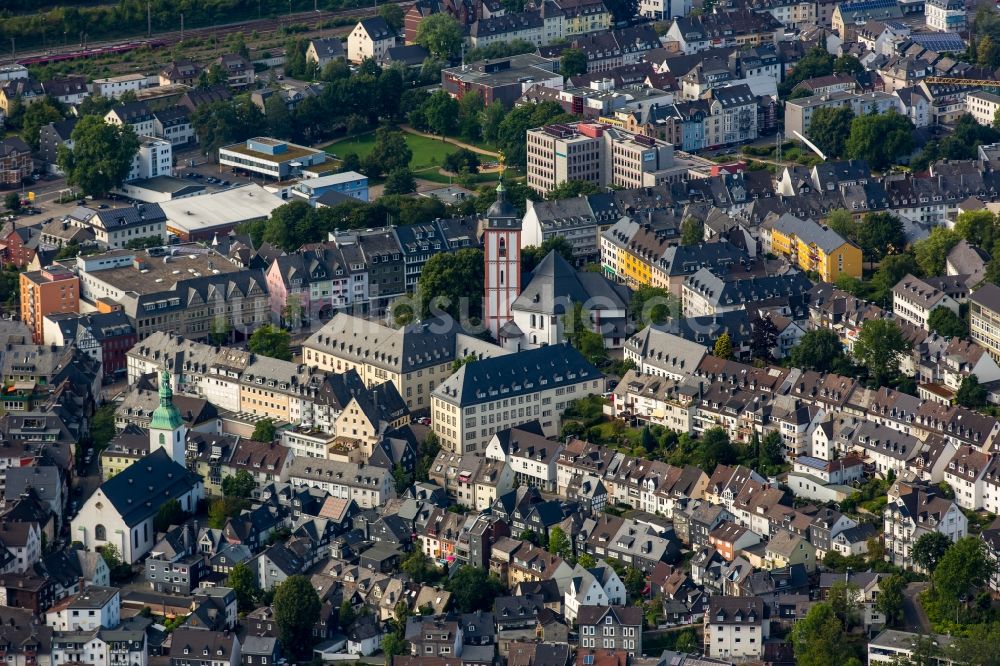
(499, 332)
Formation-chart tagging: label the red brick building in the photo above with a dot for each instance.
(15, 161)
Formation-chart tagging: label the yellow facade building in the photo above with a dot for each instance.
(812, 247)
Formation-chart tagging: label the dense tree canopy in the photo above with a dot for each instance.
(882, 139)
(270, 341)
(296, 610)
(440, 34)
(452, 283)
(830, 128)
(101, 156)
(819, 349)
(880, 347)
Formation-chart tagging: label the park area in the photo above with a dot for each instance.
(427, 152)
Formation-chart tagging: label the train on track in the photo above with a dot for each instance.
(97, 51)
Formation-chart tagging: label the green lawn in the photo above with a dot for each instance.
(426, 152)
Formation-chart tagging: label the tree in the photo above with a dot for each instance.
(724, 347)
(763, 338)
(242, 484)
(651, 305)
(169, 513)
(441, 112)
(461, 160)
(392, 645)
(819, 349)
(440, 34)
(490, 119)
(978, 646)
(512, 131)
(473, 589)
(971, 393)
(419, 567)
(978, 227)
(715, 449)
(879, 347)
(452, 284)
(635, 583)
(932, 251)
(964, 567)
(559, 543)
(264, 431)
(272, 342)
(573, 62)
(843, 598)
(946, 322)
(393, 15)
(244, 584)
(532, 255)
(296, 609)
(400, 181)
(891, 270)
(880, 138)
(890, 598)
(101, 156)
(929, 548)
(830, 128)
(111, 556)
(572, 188)
(224, 508)
(881, 234)
(817, 62)
(390, 152)
(12, 201)
(578, 327)
(279, 120)
(692, 231)
(841, 221)
(771, 454)
(848, 64)
(37, 116)
(819, 639)
(687, 642)
(987, 52)
(470, 109)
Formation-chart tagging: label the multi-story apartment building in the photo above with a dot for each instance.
(611, 628)
(198, 647)
(114, 227)
(812, 247)
(369, 486)
(371, 38)
(945, 15)
(913, 511)
(192, 295)
(15, 161)
(154, 158)
(735, 627)
(54, 289)
(983, 106)
(505, 391)
(913, 300)
(799, 112)
(598, 154)
(94, 608)
(116, 86)
(984, 318)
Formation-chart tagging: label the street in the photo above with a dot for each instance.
(914, 618)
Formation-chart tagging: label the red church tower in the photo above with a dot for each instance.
(502, 251)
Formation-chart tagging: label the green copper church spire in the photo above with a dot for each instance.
(166, 416)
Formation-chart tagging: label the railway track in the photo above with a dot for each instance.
(262, 26)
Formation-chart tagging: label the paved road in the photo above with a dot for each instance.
(914, 618)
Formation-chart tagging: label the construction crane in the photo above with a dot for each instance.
(989, 83)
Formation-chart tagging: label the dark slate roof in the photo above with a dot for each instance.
(377, 28)
(519, 373)
(555, 284)
(138, 491)
(126, 216)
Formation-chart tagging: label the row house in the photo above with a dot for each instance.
(915, 510)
